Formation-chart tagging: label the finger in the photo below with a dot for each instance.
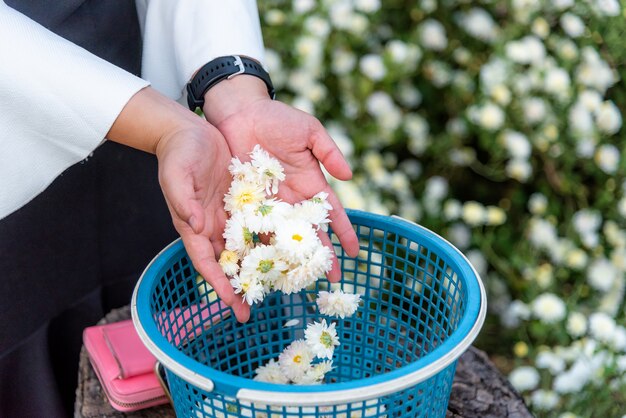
(334, 275)
(179, 193)
(202, 256)
(341, 225)
(328, 153)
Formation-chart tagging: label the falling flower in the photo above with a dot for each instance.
(337, 303)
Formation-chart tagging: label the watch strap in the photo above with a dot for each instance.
(220, 69)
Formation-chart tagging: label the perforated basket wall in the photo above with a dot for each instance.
(423, 304)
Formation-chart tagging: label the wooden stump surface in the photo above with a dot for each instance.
(478, 390)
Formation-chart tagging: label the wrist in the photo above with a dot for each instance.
(231, 96)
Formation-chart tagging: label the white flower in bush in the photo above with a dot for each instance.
(490, 116)
(537, 204)
(373, 67)
(608, 7)
(572, 25)
(479, 24)
(516, 312)
(576, 324)
(519, 169)
(302, 6)
(549, 308)
(602, 274)
(544, 400)
(601, 327)
(534, 110)
(608, 118)
(580, 120)
(474, 213)
(594, 72)
(528, 50)
(607, 157)
(433, 35)
(550, 361)
(516, 144)
(574, 379)
(524, 378)
(367, 6)
(557, 82)
(343, 61)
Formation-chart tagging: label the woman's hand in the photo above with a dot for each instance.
(244, 113)
(193, 172)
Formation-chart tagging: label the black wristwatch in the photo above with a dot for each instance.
(223, 68)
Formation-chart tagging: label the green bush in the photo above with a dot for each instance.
(498, 125)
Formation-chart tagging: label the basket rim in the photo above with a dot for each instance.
(248, 390)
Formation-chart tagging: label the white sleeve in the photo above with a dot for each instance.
(180, 36)
(57, 103)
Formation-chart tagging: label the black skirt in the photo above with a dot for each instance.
(76, 250)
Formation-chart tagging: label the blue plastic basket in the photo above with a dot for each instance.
(423, 305)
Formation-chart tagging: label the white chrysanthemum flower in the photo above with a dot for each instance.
(608, 118)
(549, 308)
(517, 144)
(321, 261)
(534, 109)
(264, 263)
(489, 116)
(270, 373)
(580, 120)
(322, 338)
(527, 50)
(373, 67)
(337, 303)
(607, 157)
(249, 287)
(242, 193)
(367, 6)
(548, 360)
(608, 7)
(602, 274)
(601, 327)
(295, 360)
(265, 216)
(474, 213)
(270, 171)
(296, 239)
(229, 261)
(433, 35)
(237, 235)
(315, 375)
(544, 400)
(542, 234)
(524, 378)
(572, 25)
(519, 169)
(312, 212)
(574, 379)
(242, 171)
(557, 82)
(537, 204)
(479, 24)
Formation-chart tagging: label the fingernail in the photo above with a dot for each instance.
(193, 224)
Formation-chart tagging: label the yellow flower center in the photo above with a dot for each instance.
(245, 198)
(265, 266)
(296, 237)
(326, 339)
(297, 359)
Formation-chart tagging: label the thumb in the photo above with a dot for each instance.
(179, 192)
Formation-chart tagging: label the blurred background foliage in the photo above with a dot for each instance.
(497, 124)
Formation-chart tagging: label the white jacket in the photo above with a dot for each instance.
(48, 123)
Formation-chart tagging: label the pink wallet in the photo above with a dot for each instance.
(124, 366)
